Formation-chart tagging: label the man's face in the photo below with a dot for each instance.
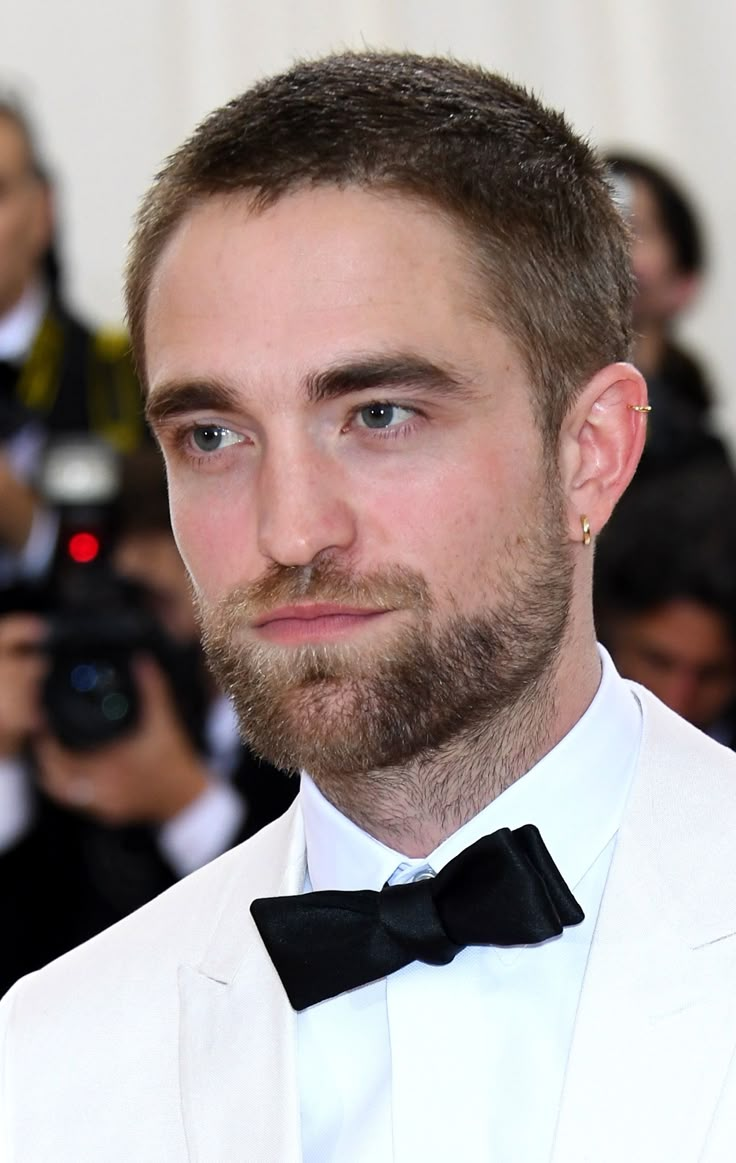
(683, 652)
(24, 216)
(358, 487)
(662, 289)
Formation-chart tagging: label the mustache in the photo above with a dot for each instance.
(390, 588)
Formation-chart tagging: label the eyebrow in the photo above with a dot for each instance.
(383, 372)
(179, 398)
(372, 373)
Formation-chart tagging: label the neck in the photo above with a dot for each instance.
(414, 807)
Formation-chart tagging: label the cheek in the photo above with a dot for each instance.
(209, 538)
(450, 526)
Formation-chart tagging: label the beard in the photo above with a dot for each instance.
(337, 710)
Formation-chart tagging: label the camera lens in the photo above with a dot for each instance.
(90, 701)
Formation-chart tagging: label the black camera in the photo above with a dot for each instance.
(98, 622)
(90, 693)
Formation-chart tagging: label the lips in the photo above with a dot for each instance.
(310, 613)
(318, 622)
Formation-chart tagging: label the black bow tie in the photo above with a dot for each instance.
(503, 890)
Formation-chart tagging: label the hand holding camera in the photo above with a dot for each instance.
(147, 775)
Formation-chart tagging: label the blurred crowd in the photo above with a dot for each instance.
(121, 769)
(665, 569)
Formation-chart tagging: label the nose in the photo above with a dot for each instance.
(303, 507)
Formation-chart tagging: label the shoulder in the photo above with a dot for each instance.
(676, 839)
(96, 383)
(670, 744)
(110, 344)
(96, 1034)
(178, 927)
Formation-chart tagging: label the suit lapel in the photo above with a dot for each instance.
(656, 1024)
(237, 1030)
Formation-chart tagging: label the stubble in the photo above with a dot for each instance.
(437, 716)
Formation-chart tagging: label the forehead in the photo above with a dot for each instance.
(320, 269)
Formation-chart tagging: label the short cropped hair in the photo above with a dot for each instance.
(676, 214)
(531, 198)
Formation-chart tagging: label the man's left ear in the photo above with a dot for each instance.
(601, 441)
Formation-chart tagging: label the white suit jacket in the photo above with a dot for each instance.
(168, 1038)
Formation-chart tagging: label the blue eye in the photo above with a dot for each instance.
(213, 437)
(382, 415)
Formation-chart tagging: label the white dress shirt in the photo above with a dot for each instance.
(466, 1061)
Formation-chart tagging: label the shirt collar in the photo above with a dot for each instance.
(575, 795)
(20, 325)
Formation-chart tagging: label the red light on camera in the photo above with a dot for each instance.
(83, 547)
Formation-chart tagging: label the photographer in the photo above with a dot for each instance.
(57, 374)
(113, 825)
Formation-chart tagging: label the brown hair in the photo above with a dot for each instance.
(529, 195)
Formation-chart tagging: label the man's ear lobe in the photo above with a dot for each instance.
(601, 442)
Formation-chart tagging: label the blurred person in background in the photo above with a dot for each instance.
(56, 373)
(668, 259)
(87, 836)
(665, 593)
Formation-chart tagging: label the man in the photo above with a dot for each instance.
(381, 304)
(56, 374)
(668, 261)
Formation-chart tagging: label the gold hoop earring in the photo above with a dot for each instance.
(586, 529)
(644, 408)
